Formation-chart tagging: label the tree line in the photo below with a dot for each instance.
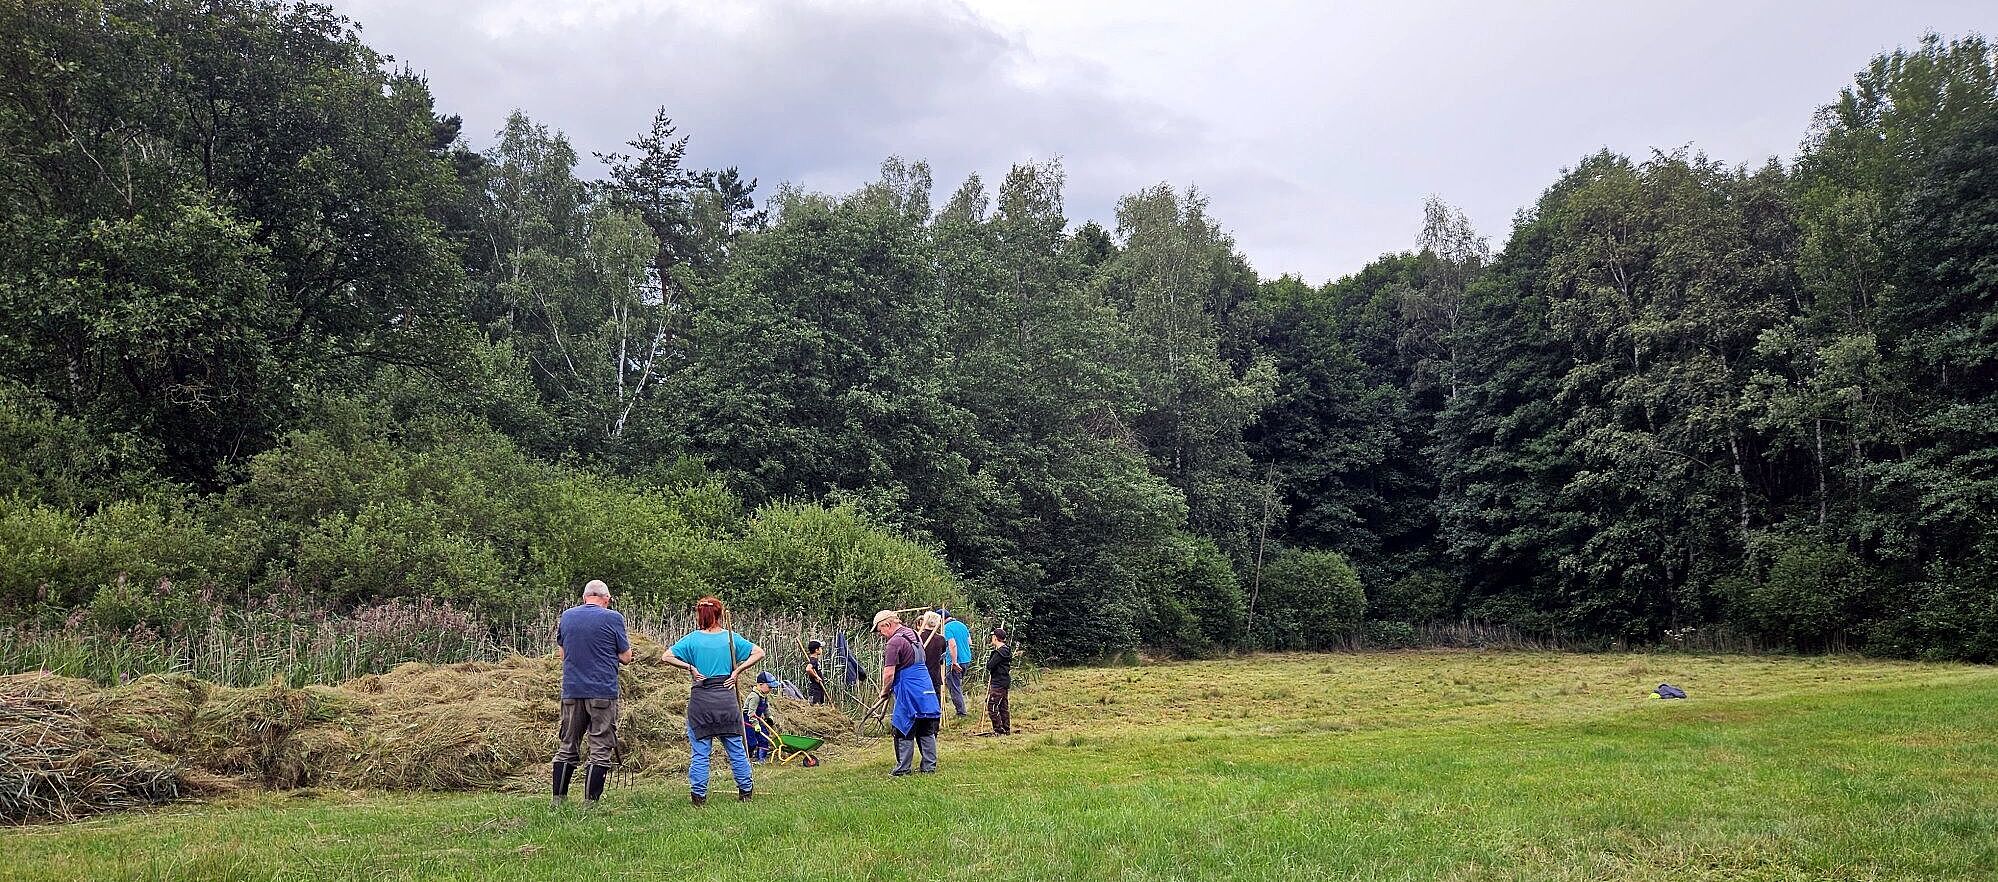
(276, 324)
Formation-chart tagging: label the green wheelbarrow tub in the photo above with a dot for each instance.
(800, 742)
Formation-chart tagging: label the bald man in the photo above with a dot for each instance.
(591, 642)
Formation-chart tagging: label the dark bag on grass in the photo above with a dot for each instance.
(1667, 690)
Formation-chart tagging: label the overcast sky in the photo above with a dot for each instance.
(1316, 128)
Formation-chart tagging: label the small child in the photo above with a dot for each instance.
(756, 719)
(815, 681)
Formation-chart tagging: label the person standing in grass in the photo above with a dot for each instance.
(591, 642)
(958, 637)
(815, 679)
(936, 650)
(916, 709)
(714, 657)
(999, 681)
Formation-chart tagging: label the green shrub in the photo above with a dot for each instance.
(1951, 613)
(1426, 595)
(68, 462)
(1388, 635)
(49, 556)
(394, 549)
(1194, 602)
(345, 516)
(1308, 600)
(1811, 594)
(798, 556)
(39, 552)
(641, 542)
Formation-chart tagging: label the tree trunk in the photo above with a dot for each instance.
(1818, 428)
(1740, 482)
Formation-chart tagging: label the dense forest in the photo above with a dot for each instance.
(273, 326)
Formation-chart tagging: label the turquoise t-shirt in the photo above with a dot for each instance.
(708, 653)
(955, 630)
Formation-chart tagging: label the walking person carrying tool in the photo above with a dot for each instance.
(591, 642)
(715, 657)
(916, 708)
(998, 680)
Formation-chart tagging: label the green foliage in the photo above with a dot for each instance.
(1174, 278)
(1811, 593)
(829, 561)
(272, 330)
(53, 558)
(1195, 605)
(1308, 600)
(1949, 613)
(1380, 634)
(347, 518)
(209, 209)
(1428, 595)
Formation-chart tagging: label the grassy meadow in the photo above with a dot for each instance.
(1453, 765)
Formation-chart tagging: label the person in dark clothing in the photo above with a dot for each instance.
(936, 650)
(815, 679)
(756, 720)
(591, 642)
(998, 681)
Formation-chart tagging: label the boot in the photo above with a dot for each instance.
(699, 799)
(563, 773)
(743, 795)
(593, 784)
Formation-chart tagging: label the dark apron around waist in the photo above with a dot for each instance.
(712, 711)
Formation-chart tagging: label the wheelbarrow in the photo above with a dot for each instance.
(791, 747)
(785, 748)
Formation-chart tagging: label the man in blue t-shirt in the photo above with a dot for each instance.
(591, 642)
(959, 641)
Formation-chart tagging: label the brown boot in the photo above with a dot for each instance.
(743, 795)
(698, 799)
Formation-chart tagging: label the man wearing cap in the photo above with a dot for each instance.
(591, 642)
(958, 638)
(916, 708)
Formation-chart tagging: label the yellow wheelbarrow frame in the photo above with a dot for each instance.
(789, 747)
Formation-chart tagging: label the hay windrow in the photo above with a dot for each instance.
(69, 748)
(55, 765)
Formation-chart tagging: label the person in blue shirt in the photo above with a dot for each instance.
(715, 657)
(958, 638)
(591, 642)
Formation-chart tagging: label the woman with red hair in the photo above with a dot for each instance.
(715, 657)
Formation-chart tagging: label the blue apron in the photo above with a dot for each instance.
(915, 695)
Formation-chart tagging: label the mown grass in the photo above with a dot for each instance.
(1423, 765)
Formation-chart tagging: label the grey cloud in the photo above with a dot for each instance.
(1316, 129)
(809, 93)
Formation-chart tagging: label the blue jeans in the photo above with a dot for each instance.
(697, 767)
(955, 677)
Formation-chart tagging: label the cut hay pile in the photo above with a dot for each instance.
(68, 749)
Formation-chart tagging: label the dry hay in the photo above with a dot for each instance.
(56, 766)
(473, 725)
